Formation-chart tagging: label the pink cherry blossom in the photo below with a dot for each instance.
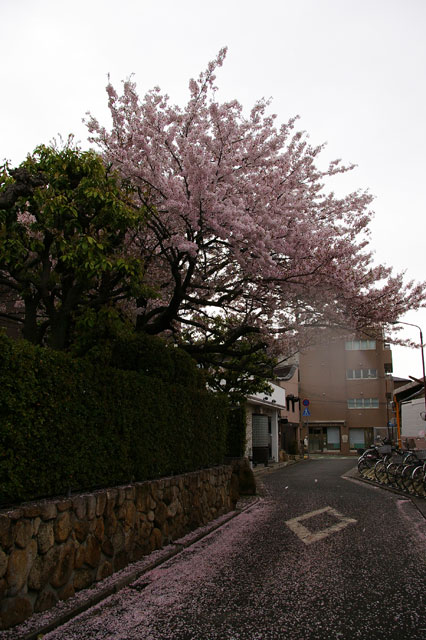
(241, 226)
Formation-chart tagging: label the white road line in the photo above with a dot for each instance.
(308, 537)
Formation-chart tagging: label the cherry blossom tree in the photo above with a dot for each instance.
(243, 244)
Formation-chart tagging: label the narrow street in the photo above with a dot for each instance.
(318, 556)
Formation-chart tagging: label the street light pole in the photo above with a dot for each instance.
(423, 355)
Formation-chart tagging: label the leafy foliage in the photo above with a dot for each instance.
(64, 218)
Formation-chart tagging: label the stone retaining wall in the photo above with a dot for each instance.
(51, 549)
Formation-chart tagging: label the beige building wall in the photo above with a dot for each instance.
(349, 391)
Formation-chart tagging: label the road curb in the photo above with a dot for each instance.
(38, 625)
(259, 471)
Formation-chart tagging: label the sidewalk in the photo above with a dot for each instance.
(273, 466)
(420, 503)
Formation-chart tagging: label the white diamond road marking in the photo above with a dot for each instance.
(308, 537)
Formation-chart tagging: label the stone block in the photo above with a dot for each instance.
(130, 493)
(48, 511)
(81, 529)
(121, 560)
(107, 548)
(93, 551)
(36, 525)
(121, 496)
(31, 510)
(129, 542)
(65, 565)
(99, 529)
(80, 556)
(173, 508)
(155, 539)
(79, 506)
(66, 592)
(19, 566)
(144, 529)
(14, 611)
(105, 570)
(63, 527)
(42, 569)
(45, 600)
(151, 503)
(130, 515)
(64, 505)
(45, 537)
(121, 512)
(151, 516)
(118, 540)
(156, 492)
(142, 495)
(110, 525)
(161, 514)
(3, 563)
(83, 578)
(15, 514)
(91, 507)
(101, 500)
(111, 501)
(6, 532)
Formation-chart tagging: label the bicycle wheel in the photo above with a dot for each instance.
(362, 466)
(380, 471)
(417, 479)
(406, 481)
(365, 468)
(399, 482)
(365, 464)
(409, 458)
(392, 471)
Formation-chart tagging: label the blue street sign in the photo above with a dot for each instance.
(306, 413)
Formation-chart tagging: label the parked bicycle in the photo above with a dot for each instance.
(418, 477)
(376, 452)
(389, 471)
(403, 469)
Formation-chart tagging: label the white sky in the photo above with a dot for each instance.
(354, 70)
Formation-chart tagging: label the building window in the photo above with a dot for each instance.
(360, 438)
(360, 345)
(358, 374)
(333, 438)
(363, 403)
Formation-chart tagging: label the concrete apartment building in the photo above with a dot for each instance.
(348, 384)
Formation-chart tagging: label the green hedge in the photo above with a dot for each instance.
(151, 356)
(66, 423)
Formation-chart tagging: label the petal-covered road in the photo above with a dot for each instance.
(318, 557)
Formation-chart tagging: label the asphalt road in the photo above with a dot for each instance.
(317, 557)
